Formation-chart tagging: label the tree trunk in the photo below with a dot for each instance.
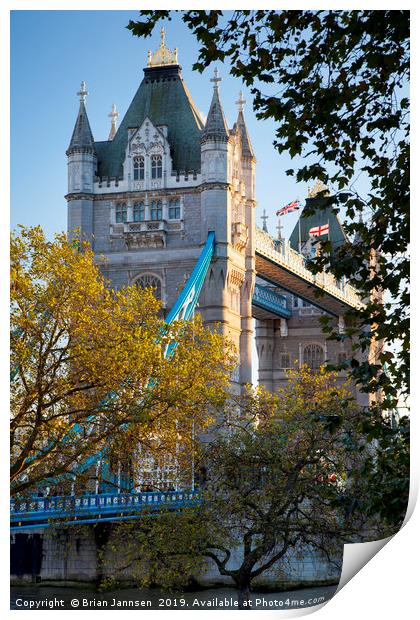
(102, 533)
(243, 593)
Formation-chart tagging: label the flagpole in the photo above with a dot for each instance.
(300, 237)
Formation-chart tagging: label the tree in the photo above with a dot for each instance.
(89, 372)
(336, 83)
(275, 482)
(385, 473)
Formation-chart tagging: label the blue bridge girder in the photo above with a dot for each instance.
(271, 301)
(41, 512)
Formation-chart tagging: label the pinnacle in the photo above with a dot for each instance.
(216, 127)
(82, 138)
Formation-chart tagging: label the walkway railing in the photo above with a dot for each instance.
(42, 511)
(269, 300)
(281, 253)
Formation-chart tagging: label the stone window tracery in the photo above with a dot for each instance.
(121, 213)
(138, 211)
(285, 361)
(313, 355)
(156, 161)
(138, 168)
(174, 209)
(150, 280)
(156, 210)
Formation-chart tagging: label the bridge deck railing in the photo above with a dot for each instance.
(271, 300)
(284, 255)
(104, 503)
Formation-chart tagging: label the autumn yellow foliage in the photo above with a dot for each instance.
(88, 364)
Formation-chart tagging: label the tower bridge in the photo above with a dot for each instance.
(170, 201)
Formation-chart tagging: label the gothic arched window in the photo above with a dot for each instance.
(121, 213)
(138, 168)
(174, 209)
(150, 280)
(156, 210)
(138, 211)
(313, 355)
(156, 166)
(285, 361)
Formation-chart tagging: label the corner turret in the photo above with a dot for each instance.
(215, 169)
(82, 138)
(216, 128)
(81, 164)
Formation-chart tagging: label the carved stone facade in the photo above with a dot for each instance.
(148, 197)
(158, 186)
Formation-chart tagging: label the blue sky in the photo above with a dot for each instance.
(52, 51)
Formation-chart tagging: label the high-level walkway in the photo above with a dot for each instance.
(277, 263)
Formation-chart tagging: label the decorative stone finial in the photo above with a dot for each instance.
(279, 229)
(216, 79)
(113, 115)
(318, 188)
(163, 55)
(264, 218)
(83, 93)
(241, 102)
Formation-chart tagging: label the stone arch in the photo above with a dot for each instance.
(150, 280)
(313, 355)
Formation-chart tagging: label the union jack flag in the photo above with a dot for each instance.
(292, 206)
(318, 231)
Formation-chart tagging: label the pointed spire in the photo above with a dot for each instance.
(279, 228)
(216, 126)
(247, 149)
(82, 138)
(241, 102)
(264, 218)
(83, 93)
(113, 115)
(358, 236)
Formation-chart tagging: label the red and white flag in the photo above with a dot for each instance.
(318, 231)
(292, 206)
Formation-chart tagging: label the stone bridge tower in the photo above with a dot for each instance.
(147, 198)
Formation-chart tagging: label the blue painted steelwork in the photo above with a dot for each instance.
(184, 306)
(44, 512)
(267, 299)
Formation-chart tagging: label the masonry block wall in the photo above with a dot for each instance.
(70, 555)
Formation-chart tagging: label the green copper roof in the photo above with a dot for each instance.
(318, 218)
(163, 97)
